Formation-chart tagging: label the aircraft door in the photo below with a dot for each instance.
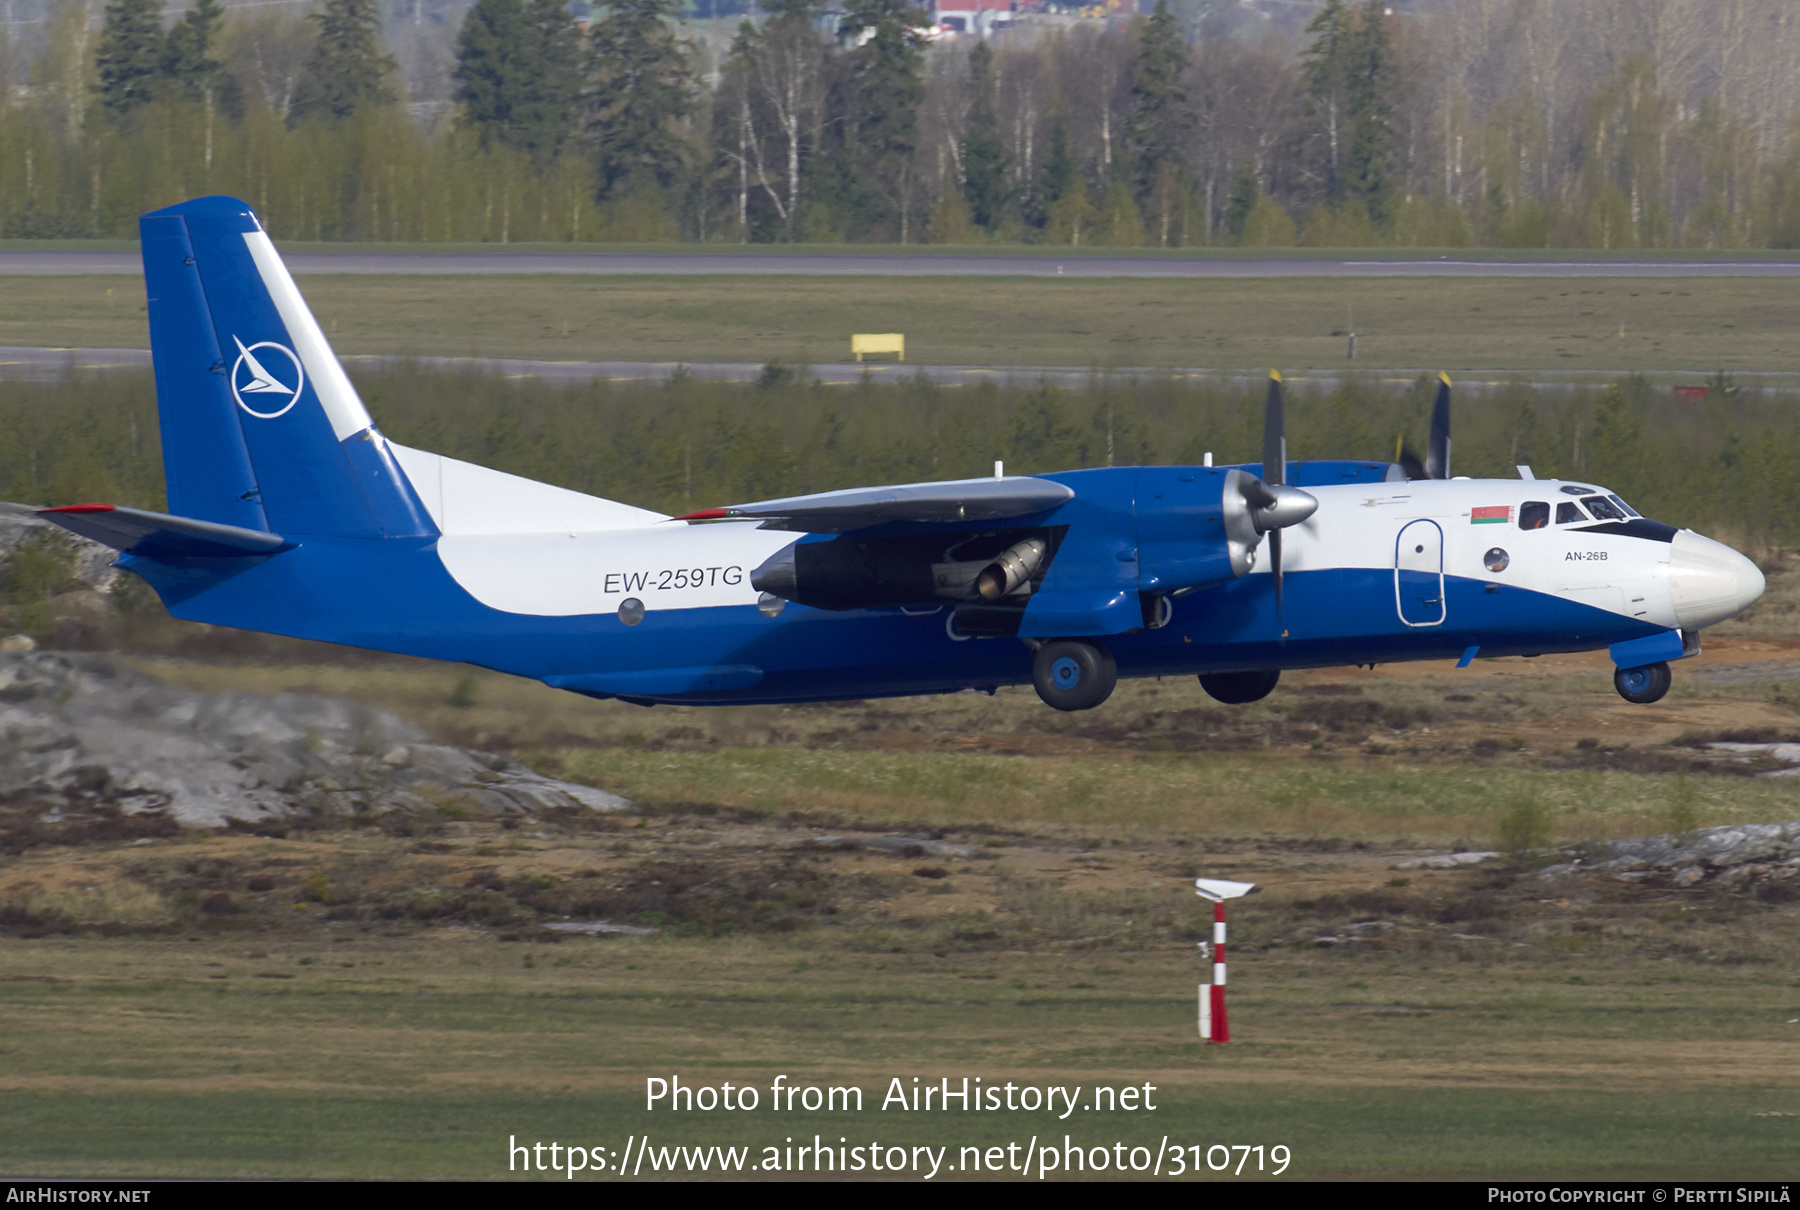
(1419, 574)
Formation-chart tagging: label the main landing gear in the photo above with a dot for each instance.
(1240, 688)
(1073, 675)
(1641, 686)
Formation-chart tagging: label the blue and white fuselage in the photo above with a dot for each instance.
(290, 513)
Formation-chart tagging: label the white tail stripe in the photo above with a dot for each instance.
(1219, 973)
(343, 407)
(1218, 932)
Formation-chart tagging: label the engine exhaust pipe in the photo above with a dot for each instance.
(1011, 570)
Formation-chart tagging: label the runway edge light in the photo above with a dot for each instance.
(1213, 1024)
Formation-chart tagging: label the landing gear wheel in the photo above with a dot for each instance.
(1070, 675)
(1641, 686)
(1239, 688)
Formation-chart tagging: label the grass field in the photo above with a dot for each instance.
(345, 1056)
(385, 1001)
(1693, 325)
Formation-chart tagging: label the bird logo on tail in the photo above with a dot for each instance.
(250, 376)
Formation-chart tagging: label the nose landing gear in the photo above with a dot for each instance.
(1071, 675)
(1644, 685)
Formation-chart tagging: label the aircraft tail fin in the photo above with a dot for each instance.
(261, 428)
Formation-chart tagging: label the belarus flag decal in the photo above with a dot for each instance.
(1493, 514)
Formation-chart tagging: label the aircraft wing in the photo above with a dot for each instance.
(860, 507)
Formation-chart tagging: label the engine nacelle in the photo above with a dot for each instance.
(919, 570)
(1200, 525)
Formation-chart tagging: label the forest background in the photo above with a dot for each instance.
(1604, 124)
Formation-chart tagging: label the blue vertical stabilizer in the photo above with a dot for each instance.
(261, 428)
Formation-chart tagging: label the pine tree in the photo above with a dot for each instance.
(518, 74)
(1369, 168)
(1157, 126)
(187, 62)
(879, 104)
(347, 71)
(1060, 174)
(130, 55)
(1328, 86)
(1246, 192)
(1350, 69)
(490, 50)
(643, 85)
(985, 162)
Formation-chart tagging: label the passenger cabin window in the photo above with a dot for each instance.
(1568, 512)
(1629, 511)
(1604, 509)
(1534, 514)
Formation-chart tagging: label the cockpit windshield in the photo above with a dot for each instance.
(1568, 512)
(1604, 509)
(1629, 510)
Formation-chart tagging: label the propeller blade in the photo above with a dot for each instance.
(1275, 567)
(1437, 455)
(1410, 464)
(1274, 435)
(1274, 469)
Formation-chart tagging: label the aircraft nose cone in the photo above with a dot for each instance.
(1709, 581)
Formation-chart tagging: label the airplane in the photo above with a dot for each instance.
(291, 513)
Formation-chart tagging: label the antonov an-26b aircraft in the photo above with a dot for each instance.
(289, 512)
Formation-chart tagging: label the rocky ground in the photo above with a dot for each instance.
(84, 739)
(1731, 857)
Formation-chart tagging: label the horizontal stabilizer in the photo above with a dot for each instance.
(928, 503)
(160, 536)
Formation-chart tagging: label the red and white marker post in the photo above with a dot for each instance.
(1214, 1027)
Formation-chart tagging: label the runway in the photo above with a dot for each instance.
(48, 365)
(23, 263)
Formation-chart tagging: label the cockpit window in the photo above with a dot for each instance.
(1604, 509)
(1568, 511)
(1628, 509)
(1534, 514)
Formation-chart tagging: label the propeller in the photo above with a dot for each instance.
(1437, 452)
(1408, 458)
(1255, 508)
(1437, 455)
(1274, 468)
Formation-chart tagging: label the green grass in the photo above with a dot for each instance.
(1203, 793)
(1529, 325)
(425, 1058)
(1368, 1132)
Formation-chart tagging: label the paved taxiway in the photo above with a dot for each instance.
(22, 262)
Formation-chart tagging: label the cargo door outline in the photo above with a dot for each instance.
(1419, 574)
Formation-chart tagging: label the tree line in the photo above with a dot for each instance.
(1728, 466)
(1506, 123)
